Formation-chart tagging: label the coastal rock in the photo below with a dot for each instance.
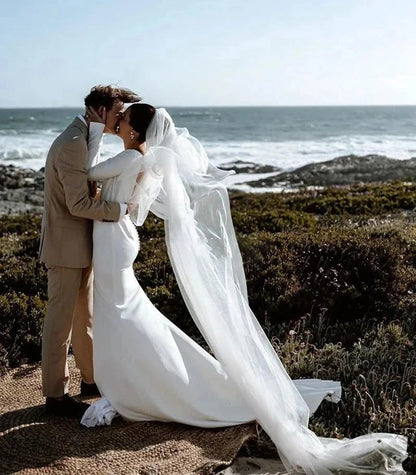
(12, 177)
(241, 166)
(21, 190)
(343, 171)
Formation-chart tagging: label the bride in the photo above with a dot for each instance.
(148, 369)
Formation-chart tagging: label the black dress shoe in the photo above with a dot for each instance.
(65, 407)
(89, 389)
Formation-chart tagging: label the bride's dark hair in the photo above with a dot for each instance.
(140, 117)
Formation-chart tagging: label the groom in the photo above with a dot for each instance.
(66, 250)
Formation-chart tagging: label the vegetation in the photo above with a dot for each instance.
(331, 276)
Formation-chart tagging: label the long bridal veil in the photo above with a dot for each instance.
(186, 190)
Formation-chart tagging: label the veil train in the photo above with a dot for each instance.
(181, 186)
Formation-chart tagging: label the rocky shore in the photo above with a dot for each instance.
(346, 170)
(21, 189)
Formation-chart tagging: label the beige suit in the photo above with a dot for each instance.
(66, 249)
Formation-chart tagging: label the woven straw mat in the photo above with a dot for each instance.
(33, 443)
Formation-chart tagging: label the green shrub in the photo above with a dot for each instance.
(348, 274)
(372, 199)
(19, 224)
(21, 325)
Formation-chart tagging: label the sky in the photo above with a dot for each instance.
(209, 52)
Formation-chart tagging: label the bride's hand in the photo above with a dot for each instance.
(131, 207)
(94, 115)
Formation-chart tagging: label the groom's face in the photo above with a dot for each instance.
(112, 117)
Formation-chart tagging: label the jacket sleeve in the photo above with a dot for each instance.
(71, 170)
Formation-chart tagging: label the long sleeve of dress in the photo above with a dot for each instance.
(113, 166)
(95, 140)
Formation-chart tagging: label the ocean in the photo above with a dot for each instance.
(283, 137)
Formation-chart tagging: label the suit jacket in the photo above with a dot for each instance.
(66, 234)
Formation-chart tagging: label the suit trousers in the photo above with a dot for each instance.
(68, 320)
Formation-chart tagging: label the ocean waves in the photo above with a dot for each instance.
(246, 139)
(289, 155)
(30, 150)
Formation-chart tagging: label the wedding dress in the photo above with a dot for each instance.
(148, 369)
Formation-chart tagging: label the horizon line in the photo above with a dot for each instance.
(224, 106)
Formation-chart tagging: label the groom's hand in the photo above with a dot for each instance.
(96, 115)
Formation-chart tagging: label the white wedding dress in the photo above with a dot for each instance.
(143, 364)
(148, 369)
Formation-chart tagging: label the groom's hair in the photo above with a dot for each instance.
(107, 95)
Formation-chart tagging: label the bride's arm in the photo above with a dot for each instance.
(113, 166)
(95, 137)
(95, 140)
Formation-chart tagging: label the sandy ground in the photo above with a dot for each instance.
(255, 466)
